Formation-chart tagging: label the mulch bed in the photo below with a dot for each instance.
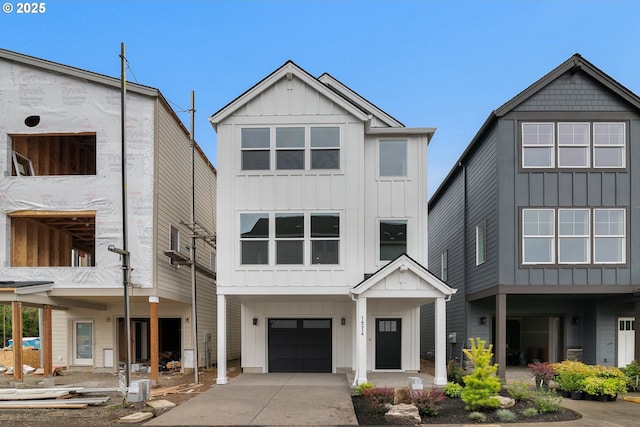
(451, 411)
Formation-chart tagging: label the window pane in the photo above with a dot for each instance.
(289, 137)
(255, 137)
(324, 251)
(573, 133)
(255, 160)
(325, 159)
(573, 157)
(573, 250)
(254, 226)
(608, 157)
(289, 226)
(393, 239)
(325, 137)
(609, 222)
(255, 252)
(289, 159)
(393, 158)
(608, 133)
(608, 250)
(537, 251)
(289, 252)
(538, 222)
(316, 323)
(325, 225)
(573, 222)
(537, 157)
(537, 134)
(283, 324)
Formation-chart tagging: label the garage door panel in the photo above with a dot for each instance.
(300, 345)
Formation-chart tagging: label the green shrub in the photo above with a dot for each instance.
(364, 386)
(453, 389)
(546, 401)
(529, 412)
(427, 403)
(632, 372)
(379, 397)
(570, 374)
(478, 417)
(455, 372)
(519, 391)
(506, 416)
(482, 385)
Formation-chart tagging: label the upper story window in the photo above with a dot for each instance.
(573, 145)
(580, 233)
(53, 154)
(393, 158)
(444, 266)
(255, 149)
(296, 238)
(174, 242)
(481, 243)
(393, 239)
(292, 148)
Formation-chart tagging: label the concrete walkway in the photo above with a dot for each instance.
(268, 399)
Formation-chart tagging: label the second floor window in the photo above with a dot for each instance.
(393, 239)
(290, 148)
(444, 266)
(296, 238)
(582, 236)
(573, 145)
(481, 243)
(393, 158)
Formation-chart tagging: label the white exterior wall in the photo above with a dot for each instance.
(72, 105)
(294, 191)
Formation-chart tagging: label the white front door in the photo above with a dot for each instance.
(626, 340)
(83, 342)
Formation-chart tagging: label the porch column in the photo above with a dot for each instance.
(636, 353)
(47, 344)
(155, 342)
(361, 341)
(440, 342)
(222, 339)
(16, 307)
(500, 345)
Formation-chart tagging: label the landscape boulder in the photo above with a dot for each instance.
(403, 414)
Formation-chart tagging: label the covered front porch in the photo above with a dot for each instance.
(406, 284)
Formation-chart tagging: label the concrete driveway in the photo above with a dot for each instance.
(268, 399)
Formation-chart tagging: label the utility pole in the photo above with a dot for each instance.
(192, 252)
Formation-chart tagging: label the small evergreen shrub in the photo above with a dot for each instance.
(364, 386)
(632, 372)
(546, 401)
(453, 389)
(478, 417)
(506, 416)
(378, 398)
(482, 385)
(529, 412)
(519, 391)
(427, 403)
(455, 372)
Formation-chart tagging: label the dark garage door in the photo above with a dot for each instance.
(299, 345)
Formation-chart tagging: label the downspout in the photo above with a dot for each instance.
(464, 249)
(355, 378)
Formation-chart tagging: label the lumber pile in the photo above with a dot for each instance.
(182, 388)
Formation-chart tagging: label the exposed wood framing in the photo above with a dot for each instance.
(17, 341)
(58, 154)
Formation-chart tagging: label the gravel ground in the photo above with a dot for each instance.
(116, 407)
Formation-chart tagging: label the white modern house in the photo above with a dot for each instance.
(61, 207)
(322, 211)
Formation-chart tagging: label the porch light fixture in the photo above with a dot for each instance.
(343, 321)
(255, 321)
(483, 320)
(575, 320)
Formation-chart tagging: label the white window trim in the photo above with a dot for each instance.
(305, 224)
(586, 147)
(569, 236)
(444, 265)
(623, 236)
(404, 177)
(171, 246)
(551, 147)
(622, 146)
(481, 228)
(546, 236)
(379, 238)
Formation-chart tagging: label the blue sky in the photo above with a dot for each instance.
(443, 64)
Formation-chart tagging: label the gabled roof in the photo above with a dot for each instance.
(76, 72)
(404, 263)
(357, 100)
(287, 70)
(571, 65)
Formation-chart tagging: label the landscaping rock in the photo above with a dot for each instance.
(401, 395)
(505, 402)
(403, 414)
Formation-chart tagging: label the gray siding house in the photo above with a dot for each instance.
(537, 225)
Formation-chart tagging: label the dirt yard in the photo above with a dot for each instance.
(174, 387)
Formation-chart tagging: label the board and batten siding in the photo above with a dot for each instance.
(277, 191)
